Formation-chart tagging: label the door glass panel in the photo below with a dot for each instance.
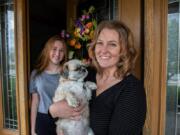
(105, 9)
(173, 70)
(7, 64)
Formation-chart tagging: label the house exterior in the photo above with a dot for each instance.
(150, 22)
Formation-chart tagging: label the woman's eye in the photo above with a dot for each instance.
(112, 44)
(99, 43)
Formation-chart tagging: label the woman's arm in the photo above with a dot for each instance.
(61, 109)
(130, 111)
(34, 108)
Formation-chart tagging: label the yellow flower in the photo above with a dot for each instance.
(91, 34)
(86, 31)
(78, 30)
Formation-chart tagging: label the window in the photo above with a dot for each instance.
(7, 64)
(173, 70)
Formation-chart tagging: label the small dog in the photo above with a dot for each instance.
(75, 91)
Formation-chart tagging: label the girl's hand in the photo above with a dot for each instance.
(63, 110)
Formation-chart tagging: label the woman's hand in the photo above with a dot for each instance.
(63, 110)
(33, 133)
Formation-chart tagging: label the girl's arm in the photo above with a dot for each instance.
(34, 108)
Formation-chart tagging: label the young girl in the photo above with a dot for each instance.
(43, 83)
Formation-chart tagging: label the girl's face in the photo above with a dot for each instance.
(57, 54)
(107, 49)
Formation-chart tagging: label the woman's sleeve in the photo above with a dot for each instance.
(32, 83)
(130, 111)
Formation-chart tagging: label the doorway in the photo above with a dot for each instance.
(47, 18)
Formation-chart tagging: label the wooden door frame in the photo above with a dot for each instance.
(22, 44)
(155, 54)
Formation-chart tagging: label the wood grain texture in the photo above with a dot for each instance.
(21, 66)
(130, 14)
(155, 65)
(21, 71)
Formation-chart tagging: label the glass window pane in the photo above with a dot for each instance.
(7, 65)
(105, 9)
(173, 71)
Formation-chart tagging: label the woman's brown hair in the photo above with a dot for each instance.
(127, 53)
(44, 59)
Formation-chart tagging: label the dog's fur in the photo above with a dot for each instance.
(75, 91)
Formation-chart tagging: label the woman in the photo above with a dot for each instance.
(118, 106)
(43, 83)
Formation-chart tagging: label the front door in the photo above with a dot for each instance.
(25, 26)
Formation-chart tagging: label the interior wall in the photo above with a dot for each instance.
(46, 18)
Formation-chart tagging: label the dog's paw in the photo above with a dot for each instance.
(72, 101)
(90, 85)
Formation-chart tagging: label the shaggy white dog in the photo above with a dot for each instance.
(75, 91)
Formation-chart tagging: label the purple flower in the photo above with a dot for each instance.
(63, 33)
(87, 17)
(78, 23)
(67, 35)
(83, 17)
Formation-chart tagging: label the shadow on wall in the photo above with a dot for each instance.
(46, 18)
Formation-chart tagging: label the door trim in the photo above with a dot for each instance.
(22, 65)
(155, 65)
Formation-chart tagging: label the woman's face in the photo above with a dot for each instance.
(56, 54)
(107, 49)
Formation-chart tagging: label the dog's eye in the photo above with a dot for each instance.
(78, 68)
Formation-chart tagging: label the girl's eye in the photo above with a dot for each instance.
(61, 50)
(54, 49)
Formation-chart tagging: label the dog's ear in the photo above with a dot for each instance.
(65, 66)
(65, 72)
